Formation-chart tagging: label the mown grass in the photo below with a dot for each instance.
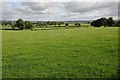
(64, 53)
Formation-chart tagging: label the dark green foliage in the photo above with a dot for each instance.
(66, 24)
(13, 27)
(23, 25)
(54, 23)
(39, 24)
(97, 23)
(45, 24)
(60, 23)
(42, 24)
(7, 23)
(77, 24)
(4, 23)
(20, 24)
(49, 23)
(28, 25)
(118, 23)
(110, 21)
(103, 22)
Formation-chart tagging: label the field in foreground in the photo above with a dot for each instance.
(64, 53)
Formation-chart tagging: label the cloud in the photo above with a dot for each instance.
(92, 10)
(36, 6)
(58, 10)
(87, 6)
(61, 0)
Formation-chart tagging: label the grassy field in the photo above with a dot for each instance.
(63, 53)
(0, 54)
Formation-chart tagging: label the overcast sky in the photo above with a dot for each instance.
(51, 11)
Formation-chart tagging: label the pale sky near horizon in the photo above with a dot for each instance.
(51, 10)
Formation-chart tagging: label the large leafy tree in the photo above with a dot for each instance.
(28, 25)
(110, 21)
(103, 22)
(97, 23)
(20, 24)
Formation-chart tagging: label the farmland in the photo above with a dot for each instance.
(62, 53)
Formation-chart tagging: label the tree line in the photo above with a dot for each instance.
(21, 24)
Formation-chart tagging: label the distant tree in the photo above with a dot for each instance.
(103, 22)
(44, 24)
(97, 23)
(54, 23)
(77, 24)
(13, 27)
(60, 23)
(110, 21)
(3, 23)
(48, 23)
(39, 24)
(28, 25)
(8, 23)
(20, 24)
(66, 24)
(118, 23)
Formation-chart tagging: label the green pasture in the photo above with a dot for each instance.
(63, 53)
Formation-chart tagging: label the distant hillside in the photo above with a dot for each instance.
(74, 21)
(81, 21)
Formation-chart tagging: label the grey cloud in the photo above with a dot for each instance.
(87, 6)
(91, 10)
(78, 6)
(35, 6)
(59, 10)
